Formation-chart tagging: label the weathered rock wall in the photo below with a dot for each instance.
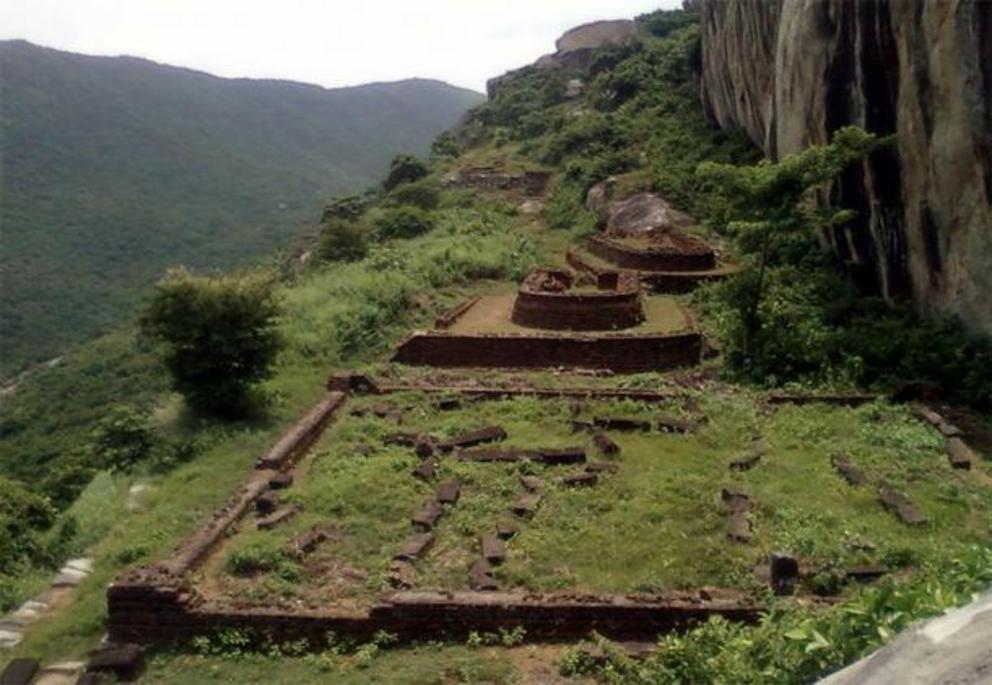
(791, 72)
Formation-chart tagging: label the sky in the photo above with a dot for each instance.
(328, 42)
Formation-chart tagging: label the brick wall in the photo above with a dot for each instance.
(649, 260)
(628, 354)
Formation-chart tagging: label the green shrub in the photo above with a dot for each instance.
(424, 194)
(220, 335)
(404, 169)
(342, 240)
(258, 558)
(445, 146)
(402, 222)
(122, 439)
(23, 515)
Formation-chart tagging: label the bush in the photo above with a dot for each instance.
(402, 222)
(445, 146)
(220, 336)
(342, 240)
(259, 558)
(404, 169)
(424, 194)
(122, 439)
(22, 516)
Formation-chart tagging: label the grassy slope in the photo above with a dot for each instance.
(345, 314)
(114, 168)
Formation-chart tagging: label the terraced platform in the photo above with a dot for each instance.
(663, 281)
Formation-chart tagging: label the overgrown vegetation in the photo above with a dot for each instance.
(797, 645)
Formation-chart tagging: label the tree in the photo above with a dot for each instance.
(764, 208)
(220, 336)
(405, 169)
(122, 439)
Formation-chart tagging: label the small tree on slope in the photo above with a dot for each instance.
(220, 335)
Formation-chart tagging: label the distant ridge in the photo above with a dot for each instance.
(115, 167)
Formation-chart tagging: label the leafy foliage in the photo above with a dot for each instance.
(798, 644)
(402, 222)
(342, 240)
(404, 169)
(220, 335)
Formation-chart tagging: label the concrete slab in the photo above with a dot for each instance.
(954, 648)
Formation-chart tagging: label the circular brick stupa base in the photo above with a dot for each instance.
(549, 300)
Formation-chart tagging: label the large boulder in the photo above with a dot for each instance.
(598, 34)
(644, 214)
(791, 73)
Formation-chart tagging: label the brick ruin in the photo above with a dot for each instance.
(160, 604)
(563, 319)
(549, 300)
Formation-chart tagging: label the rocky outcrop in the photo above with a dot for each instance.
(575, 47)
(790, 73)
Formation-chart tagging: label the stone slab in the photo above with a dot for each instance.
(493, 549)
(959, 454)
(281, 516)
(414, 547)
(900, 506)
(851, 473)
(428, 515)
(20, 671)
(448, 492)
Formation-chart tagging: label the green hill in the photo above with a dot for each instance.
(114, 167)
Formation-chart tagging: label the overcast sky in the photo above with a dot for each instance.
(328, 42)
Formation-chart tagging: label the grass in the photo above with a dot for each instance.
(656, 524)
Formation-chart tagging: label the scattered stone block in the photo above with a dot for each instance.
(280, 516)
(602, 467)
(784, 570)
(668, 423)
(68, 578)
(506, 529)
(280, 481)
(20, 671)
(307, 542)
(900, 506)
(449, 404)
(448, 492)
(866, 574)
(91, 679)
(622, 423)
(744, 462)
(492, 456)
(125, 662)
(851, 473)
(401, 575)
(552, 457)
(526, 505)
(580, 480)
(949, 430)
(414, 547)
(738, 527)
(480, 577)
(557, 457)
(531, 483)
(10, 637)
(64, 673)
(582, 426)
(735, 500)
(402, 439)
(927, 414)
(31, 610)
(428, 515)
(425, 447)
(352, 383)
(605, 443)
(959, 454)
(473, 438)
(493, 549)
(427, 471)
(266, 503)
(82, 565)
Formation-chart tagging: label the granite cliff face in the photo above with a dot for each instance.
(789, 72)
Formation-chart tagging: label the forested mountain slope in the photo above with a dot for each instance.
(114, 167)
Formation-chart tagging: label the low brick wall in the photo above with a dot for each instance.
(649, 259)
(571, 311)
(450, 317)
(668, 282)
(304, 432)
(626, 354)
(170, 613)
